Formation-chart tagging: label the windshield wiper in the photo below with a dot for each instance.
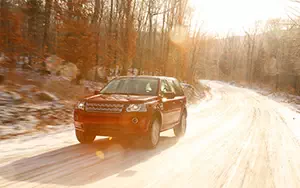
(128, 94)
(138, 94)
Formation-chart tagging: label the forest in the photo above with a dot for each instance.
(156, 37)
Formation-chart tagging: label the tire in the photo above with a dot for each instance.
(153, 136)
(85, 138)
(180, 129)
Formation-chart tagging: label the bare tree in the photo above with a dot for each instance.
(48, 10)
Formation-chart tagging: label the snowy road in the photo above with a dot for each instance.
(237, 138)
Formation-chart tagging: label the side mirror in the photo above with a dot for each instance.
(169, 95)
(96, 92)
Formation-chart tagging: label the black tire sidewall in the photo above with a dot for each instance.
(84, 138)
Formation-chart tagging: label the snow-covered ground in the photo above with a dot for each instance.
(235, 138)
(292, 101)
(31, 103)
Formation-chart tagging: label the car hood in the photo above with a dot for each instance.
(117, 98)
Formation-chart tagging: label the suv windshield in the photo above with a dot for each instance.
(132, 86)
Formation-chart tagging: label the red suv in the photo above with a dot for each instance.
(142, 106)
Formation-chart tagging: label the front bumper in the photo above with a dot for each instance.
(112, 124)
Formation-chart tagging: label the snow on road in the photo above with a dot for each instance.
(237, 138)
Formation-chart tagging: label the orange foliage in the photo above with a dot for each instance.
(12, 42)
(77, 40)
(77, 44)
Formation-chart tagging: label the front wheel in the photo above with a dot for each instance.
(180, 129)
(153, 135)
(85, 138)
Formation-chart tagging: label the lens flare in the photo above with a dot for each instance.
(179, 34)
(100, 154)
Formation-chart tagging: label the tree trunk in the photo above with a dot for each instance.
(96, 12)
(4, 41)
(48, 9)
(127, 37)
(150, 54)
(116, 35)
(110, 49)
(70, 8)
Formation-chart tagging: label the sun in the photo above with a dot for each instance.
(223, 16)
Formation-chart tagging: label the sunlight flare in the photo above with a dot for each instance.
(100, 154)
(179, 34)
(234, 16)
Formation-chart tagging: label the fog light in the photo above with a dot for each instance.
(135, 120)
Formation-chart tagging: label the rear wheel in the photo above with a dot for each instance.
(180, 129)
(85, 138)
(154, 134)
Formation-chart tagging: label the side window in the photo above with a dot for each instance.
(164, 87)
(178, 88)
(170, 82)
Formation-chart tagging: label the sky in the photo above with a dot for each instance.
(223, 16)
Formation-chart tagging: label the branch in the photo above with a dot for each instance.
(295, 22)
(163, 12)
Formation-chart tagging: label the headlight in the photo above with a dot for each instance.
(137, 108)
(80, 105)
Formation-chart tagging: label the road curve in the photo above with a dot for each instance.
(236, 138)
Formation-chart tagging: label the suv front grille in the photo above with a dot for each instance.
(108, 108)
